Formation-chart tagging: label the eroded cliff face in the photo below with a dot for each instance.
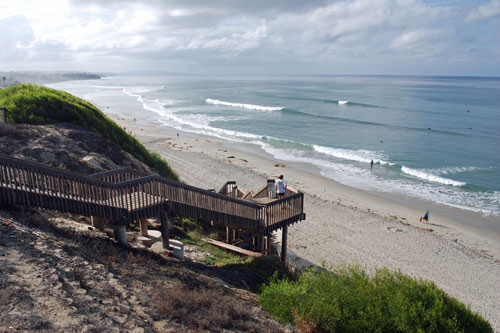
(67, 146)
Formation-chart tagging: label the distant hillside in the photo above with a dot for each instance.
(37, 105)
(42, 77)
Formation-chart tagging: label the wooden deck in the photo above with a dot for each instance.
(123, 195)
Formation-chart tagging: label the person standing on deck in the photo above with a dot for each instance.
(280, 186)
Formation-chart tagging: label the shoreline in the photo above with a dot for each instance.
(345, 225)
(444, 220)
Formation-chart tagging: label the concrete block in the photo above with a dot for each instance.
(177, 248)
(158, 248)
(146, 241)
(154, 234)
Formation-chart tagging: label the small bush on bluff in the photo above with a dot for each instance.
(352, 301)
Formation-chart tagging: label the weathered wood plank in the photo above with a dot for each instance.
(232, 248)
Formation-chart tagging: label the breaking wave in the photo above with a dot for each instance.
(244, 106)
(364, 156)
(430, 177)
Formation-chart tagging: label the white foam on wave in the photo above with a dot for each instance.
(194, 123)
(346, 174)
(453, 170)
(342, 102)
(244, 106)
(149, 104)
(430, 177)
(168, 102)
(127, 92)
(365, 156)
(138, 90)
(486, 203)
(200, 125)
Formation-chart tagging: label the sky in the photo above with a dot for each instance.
(344, 37)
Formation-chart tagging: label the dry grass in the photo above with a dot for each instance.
(128, 282)
(203, 309)
(94, 245)
(81, 275)
(306, 325)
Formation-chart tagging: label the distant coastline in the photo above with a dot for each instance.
(37, 77)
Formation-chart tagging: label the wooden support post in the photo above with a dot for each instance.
(143, 224)
(229, 233)
(268, 243)
(283, 243)
(262, 243)
(234, 235)
(165, 232)
(120, 234)
(98, 223)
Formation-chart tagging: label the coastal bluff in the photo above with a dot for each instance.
(348, 230)
(64, 275)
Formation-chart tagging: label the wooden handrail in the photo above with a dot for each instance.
(47, 168)
(119, 175)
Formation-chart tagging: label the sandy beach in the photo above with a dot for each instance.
(346, 225)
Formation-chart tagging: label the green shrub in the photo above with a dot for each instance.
(37, 105)
(352, 301)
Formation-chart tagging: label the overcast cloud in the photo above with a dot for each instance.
(437, 37)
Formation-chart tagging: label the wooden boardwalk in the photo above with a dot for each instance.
(121, 196)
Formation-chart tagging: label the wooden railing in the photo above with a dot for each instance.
(231, 189)
(124, 195)
(119, 175)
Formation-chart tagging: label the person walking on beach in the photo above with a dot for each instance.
(280, 186)
(426, 217)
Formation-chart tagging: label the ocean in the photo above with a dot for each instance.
(434, 139)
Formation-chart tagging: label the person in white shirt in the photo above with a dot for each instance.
(280, 187)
